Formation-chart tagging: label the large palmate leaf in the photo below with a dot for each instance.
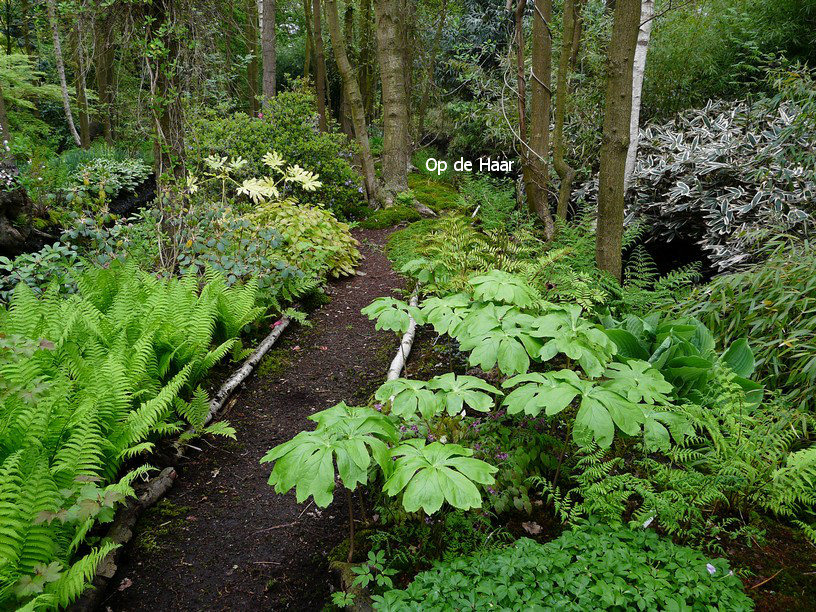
(551, 392)
(391, 314)
(639, 382)
(458, 391)
(500, 286)
(346, 435)
(447, 312)
(567, 332)
(429, 475)
(408, 397)
(498, 335)
(601, 410)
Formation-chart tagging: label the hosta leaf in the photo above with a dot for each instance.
(740, 358)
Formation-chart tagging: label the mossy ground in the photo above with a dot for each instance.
(159, 523)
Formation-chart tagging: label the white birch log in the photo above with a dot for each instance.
(232, 383)
(398, 363)
(638, 71)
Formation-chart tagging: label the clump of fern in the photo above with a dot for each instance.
(734, 463)
(111, 370)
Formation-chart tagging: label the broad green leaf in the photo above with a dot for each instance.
(740, 358)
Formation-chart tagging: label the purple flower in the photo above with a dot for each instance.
(414, 428)
(428, 520)
(378, 407)
(502, 456)
(403, 429)
(431, 437)
(491, 490)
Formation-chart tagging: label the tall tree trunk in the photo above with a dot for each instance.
(81, 95)
(577, 33)
(391, 52)
(307, 60)
(268, 41)
(251, 34)
(66, 100)
(5, 131)
(638, 71)
(103, 49)
(429, 80)
(615, 141)
(352, 93)
(366, 58)
(24, 6)
(346, 123)
(540, 114)
(568, 43)
(320, 67)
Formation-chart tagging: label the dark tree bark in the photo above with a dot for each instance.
(541, 101)
(251, 34)
(309, 51)
(320, 67)
(568, 44)
(366, 62)
(352, 92)
(391, 52)
(346, 123)
(615, 143)
(268, 40)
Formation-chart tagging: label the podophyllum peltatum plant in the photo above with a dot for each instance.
(109, 371)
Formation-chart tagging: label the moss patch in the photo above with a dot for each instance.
(159, 523)
(388, 217)
(274, 363)
(434, 194)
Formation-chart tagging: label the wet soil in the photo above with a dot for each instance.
(228, 542)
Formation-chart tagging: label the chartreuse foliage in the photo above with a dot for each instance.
(592, 567)
(109, 371)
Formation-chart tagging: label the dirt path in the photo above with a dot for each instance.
(222, 539)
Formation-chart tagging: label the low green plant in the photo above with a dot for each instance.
(95, 183)
(56, 263)
(590, 567)
(114, 368)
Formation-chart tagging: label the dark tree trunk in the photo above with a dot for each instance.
(615, 143)
(352, 93)
(320, 67)
(252, 48)
(391, 51)
(268, 41)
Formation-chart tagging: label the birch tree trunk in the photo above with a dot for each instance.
(66, 100)
(391, 52)
(268, 42)
(615, 140)
(352, 93)
(638, 71)
(320, 67)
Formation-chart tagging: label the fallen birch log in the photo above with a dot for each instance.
(398, 363)
(126, 517)
(232, 383)
(121, 533)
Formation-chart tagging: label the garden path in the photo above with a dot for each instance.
(222, 539)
